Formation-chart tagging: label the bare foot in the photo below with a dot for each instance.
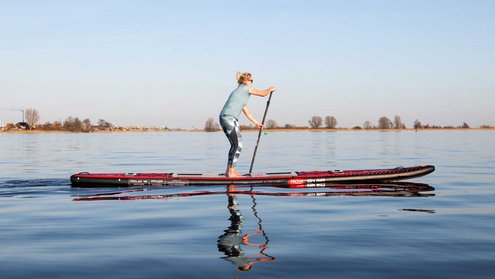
(234, 175)
(231, 172)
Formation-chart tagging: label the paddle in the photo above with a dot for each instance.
(259, 133)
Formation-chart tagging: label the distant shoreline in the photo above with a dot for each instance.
(310, 130)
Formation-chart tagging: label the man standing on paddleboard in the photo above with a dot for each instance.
(230, 113)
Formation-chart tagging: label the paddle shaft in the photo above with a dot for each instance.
(259, 133)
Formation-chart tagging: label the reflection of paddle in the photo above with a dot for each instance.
(260, 228)
(259, 133)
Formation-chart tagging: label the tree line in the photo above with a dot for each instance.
(71, 124)
(383, 123)
(330, 122)
(75, 124)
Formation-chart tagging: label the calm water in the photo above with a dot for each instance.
(50, 230)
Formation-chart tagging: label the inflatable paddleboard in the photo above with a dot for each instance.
(296, 179)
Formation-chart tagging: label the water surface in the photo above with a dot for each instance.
(51, 230)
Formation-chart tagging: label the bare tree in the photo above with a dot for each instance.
(77, 124)
(68, 123)
(104, 125)
(289, 126)
(417, 124)
(271, 124)
(72, 124)
(398, 122)
(384, 123)
(211, 125)
(86, 125)
(32, 117)
(330, 122)
(315, 122)
(367, 125)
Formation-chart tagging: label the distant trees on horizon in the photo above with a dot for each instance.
(211, 125)
(71, 124)
(75, 124)
(315, 122)
(383, 123)
(32, 117)
(271, 124)
(330, 122)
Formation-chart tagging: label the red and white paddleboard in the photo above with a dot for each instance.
(296, 179)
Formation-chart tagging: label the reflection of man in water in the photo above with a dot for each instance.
(232, 240)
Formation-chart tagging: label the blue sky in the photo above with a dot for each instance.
(172, 63)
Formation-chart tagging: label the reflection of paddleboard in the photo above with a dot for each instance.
(298, 179)
(396, 189)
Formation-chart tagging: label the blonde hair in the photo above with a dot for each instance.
(242, 77)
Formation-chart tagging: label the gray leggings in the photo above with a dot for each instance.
(231, 128)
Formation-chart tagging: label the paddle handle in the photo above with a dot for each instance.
(259, 133)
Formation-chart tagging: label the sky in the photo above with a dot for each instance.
(173, 63)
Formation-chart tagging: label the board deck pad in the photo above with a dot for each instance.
(295, 179)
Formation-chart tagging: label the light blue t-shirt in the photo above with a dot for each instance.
(236, 102)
